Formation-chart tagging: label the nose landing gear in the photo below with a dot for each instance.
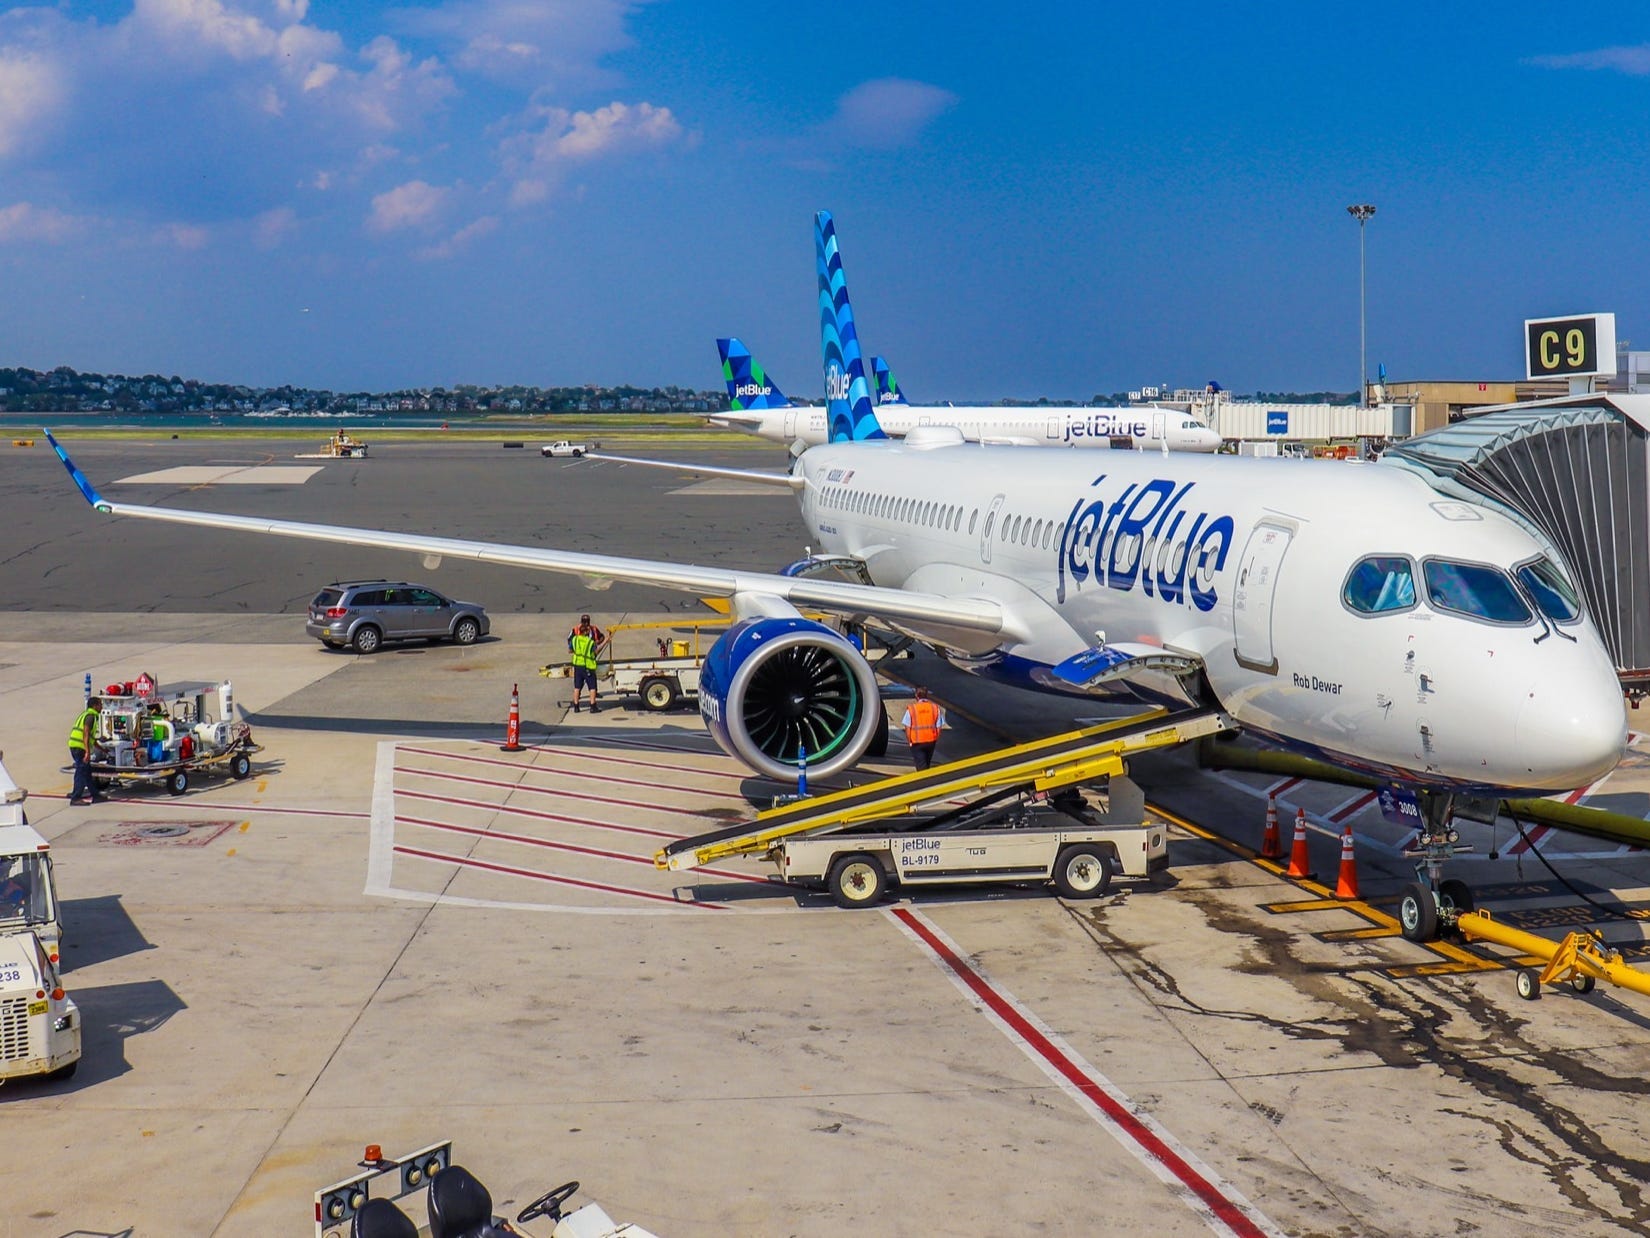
(1431, 905)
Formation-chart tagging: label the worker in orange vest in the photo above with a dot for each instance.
(923, 722)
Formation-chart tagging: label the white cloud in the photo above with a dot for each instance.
(534, 160)
(460, 240)
(528, 43)
(887, 113)
(23, 221)
(31, 91)
(185, 236)
(272, 227)
(1634, 60)
(415, 204)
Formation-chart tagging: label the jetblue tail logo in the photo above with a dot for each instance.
(748, 386)
(888, 391)
(848, 410)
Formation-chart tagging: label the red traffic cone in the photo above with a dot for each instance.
(1271, 846)
(1346, 886)
(1300, 862)
(512, 728)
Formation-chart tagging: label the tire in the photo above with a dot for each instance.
(1582, 983)
(857, 881)
(659, 693)
(177, 782)
(1082, 870)
(367, 639)
(466, 631)
(240, 766)
(1457, 896)
(1417, 913)
(1529, 984)
(578, 453)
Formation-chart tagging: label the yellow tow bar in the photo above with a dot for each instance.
(1581, 958)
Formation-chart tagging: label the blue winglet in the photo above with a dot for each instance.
(86, 487)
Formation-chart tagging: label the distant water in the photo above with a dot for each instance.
(10, 423)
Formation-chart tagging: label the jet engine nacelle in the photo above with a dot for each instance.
(773, 688)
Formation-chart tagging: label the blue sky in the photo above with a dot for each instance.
(1052, 201)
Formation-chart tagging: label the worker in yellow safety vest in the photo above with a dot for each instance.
(82, 735)
(583, 643)
(923, 722)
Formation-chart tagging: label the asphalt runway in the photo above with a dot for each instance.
(394, 933)
(63, 556)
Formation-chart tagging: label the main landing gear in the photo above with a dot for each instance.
(1430, 905)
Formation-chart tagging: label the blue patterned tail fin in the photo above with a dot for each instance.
(847, 395)
(888, 391)
(748, 384)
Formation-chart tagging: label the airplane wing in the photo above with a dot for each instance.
(925, 610)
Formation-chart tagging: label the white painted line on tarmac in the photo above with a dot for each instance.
(537, 814)
(442, 857)
(381, 831)
(558, 792)
(1220, 1204)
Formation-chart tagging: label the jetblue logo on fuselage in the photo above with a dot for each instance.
(1106, 425)
(1140, 538)
(749, 389)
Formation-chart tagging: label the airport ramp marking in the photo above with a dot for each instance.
(1217, 1201)
(536, 814)
(442, 857)
(731, 486)
(225, 475)
(600, 853)
(558, 792)
(584, 759)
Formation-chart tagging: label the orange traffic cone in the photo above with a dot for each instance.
(512, 728)
(1300, 862)
(1347, 884)
(1271, 846)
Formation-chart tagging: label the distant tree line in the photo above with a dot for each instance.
(68, 390)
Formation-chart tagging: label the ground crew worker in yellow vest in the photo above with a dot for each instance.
(583, 643)
(923, 722)
(82, 735)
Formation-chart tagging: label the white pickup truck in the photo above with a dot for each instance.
(563, 447)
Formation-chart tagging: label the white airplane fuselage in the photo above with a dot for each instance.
(1214, 558)
(1149, 428)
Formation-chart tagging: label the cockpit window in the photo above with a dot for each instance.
(1380, 583)
(1474, 590)
(1552, 593)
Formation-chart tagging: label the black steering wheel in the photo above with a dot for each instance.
(549, 1204)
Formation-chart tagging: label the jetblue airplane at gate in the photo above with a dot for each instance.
(1345, 610)
(757, 406)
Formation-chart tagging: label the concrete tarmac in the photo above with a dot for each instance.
(393, 933)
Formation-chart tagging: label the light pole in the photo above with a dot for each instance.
(1361, 213)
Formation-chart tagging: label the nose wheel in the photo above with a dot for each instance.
(1431, 904)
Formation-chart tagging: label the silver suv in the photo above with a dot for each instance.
(363, 614)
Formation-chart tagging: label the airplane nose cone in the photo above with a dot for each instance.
(1571, 729)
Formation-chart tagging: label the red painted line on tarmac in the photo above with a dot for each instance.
(1531, 836)
(538, 815)
(465, 862)
(210, 806)
(1229, 1210)
(559, 794)
(1277, 789)
(552, 845)
(1353, 806)
(583, 758)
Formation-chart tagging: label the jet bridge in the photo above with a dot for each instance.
(1576, 469)
(1042, 765)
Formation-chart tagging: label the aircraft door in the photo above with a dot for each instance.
(986, 528)
(790, 424)
(1257, 583)
(1158, 431)
(1054, 429)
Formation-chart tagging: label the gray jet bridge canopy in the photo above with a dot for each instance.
(1576, 469)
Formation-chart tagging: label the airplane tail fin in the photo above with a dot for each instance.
(849, 412)
(749, 387)
(888, 391)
